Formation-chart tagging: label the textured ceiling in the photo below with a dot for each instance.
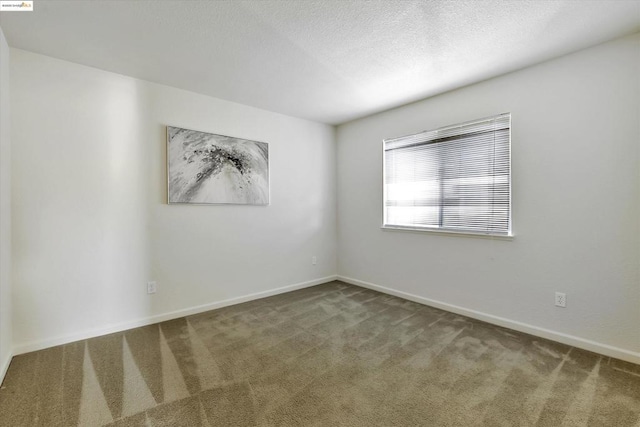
(328, 61)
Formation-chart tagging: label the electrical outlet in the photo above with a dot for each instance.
(314, 260)
(152, 287)
(561, 299)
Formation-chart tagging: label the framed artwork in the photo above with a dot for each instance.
(206, 168)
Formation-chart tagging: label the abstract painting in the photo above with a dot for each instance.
(205, 168)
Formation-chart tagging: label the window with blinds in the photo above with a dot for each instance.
(456, 178)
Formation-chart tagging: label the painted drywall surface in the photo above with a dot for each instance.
(5, 209)
(576, 207)
(91, 222)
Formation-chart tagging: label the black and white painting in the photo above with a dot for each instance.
(206, 168)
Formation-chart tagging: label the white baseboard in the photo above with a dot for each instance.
(596, 347)
(123, 326)
(4, 366)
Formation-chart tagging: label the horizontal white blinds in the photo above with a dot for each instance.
(455, 178)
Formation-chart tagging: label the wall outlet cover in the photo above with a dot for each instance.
(561, 299)
(152, 287)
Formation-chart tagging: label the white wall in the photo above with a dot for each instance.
(91, 223)
(5, 211)
(576, 204)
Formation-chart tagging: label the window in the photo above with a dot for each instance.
(456, 178)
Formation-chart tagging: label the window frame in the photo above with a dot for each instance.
(440, 230)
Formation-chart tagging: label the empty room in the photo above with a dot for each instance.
(319, 213)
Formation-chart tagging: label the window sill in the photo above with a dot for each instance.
(446, 232)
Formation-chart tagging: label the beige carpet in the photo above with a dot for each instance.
(330, 355)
